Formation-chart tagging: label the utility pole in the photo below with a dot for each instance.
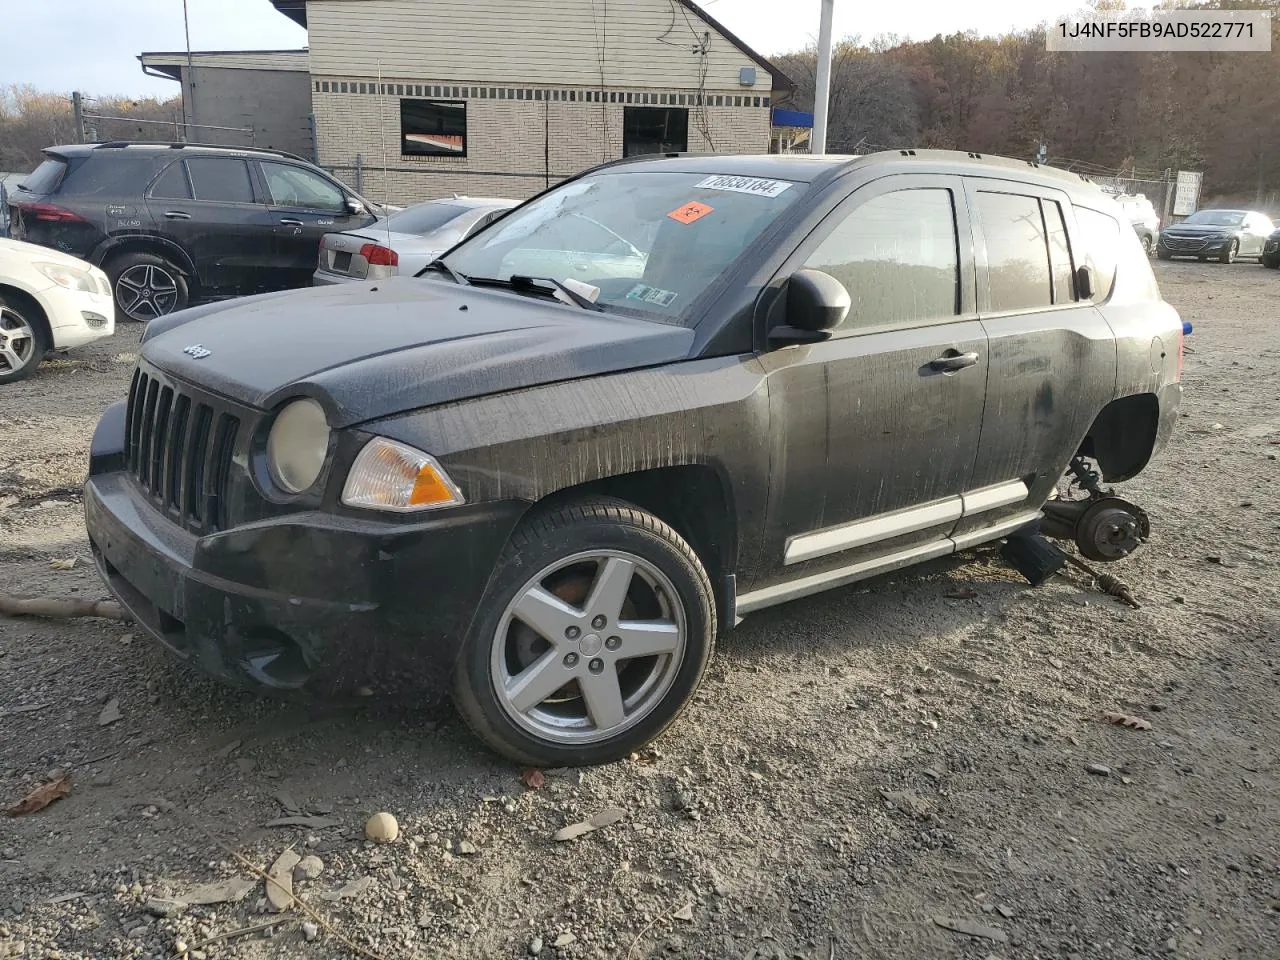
(822, 84)
(189, 93)
(77, 115)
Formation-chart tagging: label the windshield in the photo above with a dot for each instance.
(651, 242)
(1216, 218)
(422, 218)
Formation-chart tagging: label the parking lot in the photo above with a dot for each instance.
(859, 765)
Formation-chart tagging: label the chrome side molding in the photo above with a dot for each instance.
(886, 526)
(816, 583)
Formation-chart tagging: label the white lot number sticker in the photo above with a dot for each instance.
(757, 186)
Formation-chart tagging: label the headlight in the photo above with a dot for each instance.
(388, 475)
(68, 277)
(297, 445)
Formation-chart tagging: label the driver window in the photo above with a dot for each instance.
(292, 186)
(896, 254)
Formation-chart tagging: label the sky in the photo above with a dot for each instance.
(92, 45)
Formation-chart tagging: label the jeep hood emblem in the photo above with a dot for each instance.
(197, 351)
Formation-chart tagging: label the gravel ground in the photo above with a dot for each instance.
(857, 767)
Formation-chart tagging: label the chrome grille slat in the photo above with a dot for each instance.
(179, 449)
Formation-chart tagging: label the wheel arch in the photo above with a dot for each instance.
(39, 315)
(144, 243)
(1122, 438)
(694, 499)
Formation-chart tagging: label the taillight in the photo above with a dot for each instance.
(380, 256)
(51, 212)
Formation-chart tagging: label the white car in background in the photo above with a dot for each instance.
(404, 242)
(48, 301)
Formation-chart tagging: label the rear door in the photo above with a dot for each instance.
(876, 429)
(304, 206)
(1052, 356)
(207, 204)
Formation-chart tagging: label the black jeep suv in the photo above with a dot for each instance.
(555, 469)
(170, 222)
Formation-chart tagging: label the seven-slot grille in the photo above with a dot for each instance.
(179, 450)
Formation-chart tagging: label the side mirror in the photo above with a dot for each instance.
(355, 207)
(816, 304)
(1084, 283)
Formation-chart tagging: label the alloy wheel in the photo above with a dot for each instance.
(588, 647)
(17, 341)
(146, 291)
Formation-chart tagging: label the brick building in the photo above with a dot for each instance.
(422, 98)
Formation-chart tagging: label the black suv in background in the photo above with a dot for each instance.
(172, 221)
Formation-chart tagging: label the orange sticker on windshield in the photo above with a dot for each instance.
(690, 212)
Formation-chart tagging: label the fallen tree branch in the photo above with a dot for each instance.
(60, 609)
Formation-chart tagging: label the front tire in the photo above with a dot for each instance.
(24, 339)
(1163, 254)
(146, 286)
(1269, 261)
(1148, 244)
(594, 634)
(1229, 254)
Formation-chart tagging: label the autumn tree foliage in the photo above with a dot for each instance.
(1139, 113)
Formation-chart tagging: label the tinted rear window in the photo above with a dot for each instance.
(1101, 234)
(110, 174)
(1017, 251)
(172, 184)
(424, 217)
(225, 179)
(46, 177)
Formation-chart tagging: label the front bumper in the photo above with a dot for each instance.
(1193, 246)
(76, 317)
(303, 600)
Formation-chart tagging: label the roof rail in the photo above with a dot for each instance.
(178, 145)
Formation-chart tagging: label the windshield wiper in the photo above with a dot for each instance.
(443, 267)
(520, 283)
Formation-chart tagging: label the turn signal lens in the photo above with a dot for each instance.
(389, 475)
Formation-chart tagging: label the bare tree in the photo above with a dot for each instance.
(31, 120)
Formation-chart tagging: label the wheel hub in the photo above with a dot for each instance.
(588, 647)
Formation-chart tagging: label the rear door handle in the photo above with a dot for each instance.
(177, 215)
(953, 362)
(290, 223)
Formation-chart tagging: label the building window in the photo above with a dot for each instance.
(433, 128)
(654, 130)
(537, 94)
(324, 87)
(475, 92)
(766, 101)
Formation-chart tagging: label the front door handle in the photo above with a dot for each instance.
(953, 362)
(177, 215)
(290, 223)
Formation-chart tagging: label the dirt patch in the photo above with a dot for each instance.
(877, 772)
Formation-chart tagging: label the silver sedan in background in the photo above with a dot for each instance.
(404, 242)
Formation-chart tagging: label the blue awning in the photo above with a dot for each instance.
(791, 118)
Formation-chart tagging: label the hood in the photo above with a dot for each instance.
(1199, 229)
(372, 350)
(32, 252)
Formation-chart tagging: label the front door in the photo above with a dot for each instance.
(305, 207)
(876, 429)
(208, 206)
